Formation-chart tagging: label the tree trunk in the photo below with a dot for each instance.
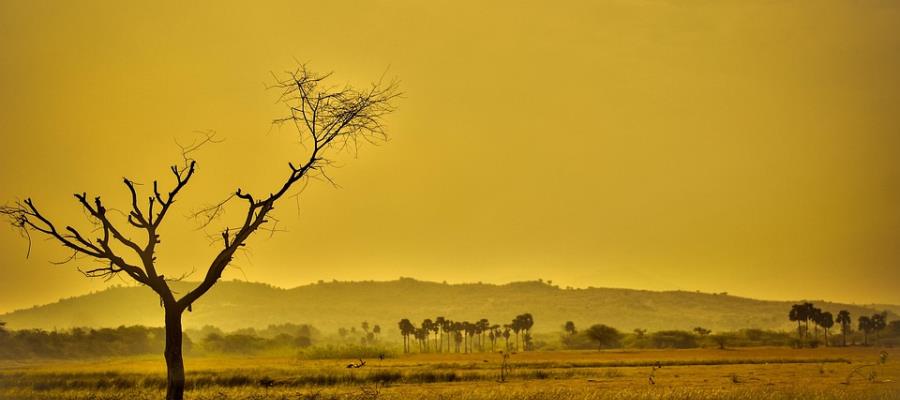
(174, 359)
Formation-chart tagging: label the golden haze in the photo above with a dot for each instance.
(748, 147)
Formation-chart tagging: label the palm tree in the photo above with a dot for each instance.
(457, 335)
(436, 328)
(879, 322)
(809, 311)
(506, 336)
(844, 319)
(440, 324)
(476, 336)
(421, 336)
(570, 328)
(483, 327)
(448, 326)
(406, 328)
(797, 314)
(865, 326)
(464, 329)
(376, 330)
(527, 323)
(516, 326)
(427, 326)
(815, 314)
(470, 335)
(495, 334)
(827, 321)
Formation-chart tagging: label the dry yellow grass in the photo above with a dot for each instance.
(751, 373)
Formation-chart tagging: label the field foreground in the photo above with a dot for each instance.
(752, 373)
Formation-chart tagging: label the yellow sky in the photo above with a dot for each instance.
(740, 146)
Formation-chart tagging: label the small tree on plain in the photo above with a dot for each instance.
(604, 336)
(570, 328)
(327, 120)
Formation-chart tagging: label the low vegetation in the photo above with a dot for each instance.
(757, 373)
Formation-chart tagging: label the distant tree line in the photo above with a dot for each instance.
(287, 337)
(82, 342)
(465, 336)
(370, 334)
(138, 340)
(600, 336)
(806, 313)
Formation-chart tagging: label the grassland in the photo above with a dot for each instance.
(749, 373)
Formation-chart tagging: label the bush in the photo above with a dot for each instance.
(673, 339)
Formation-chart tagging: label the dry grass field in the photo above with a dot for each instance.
(749, 373)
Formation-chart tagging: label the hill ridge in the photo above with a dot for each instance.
(329, 305)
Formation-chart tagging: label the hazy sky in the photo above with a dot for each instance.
(741, 146)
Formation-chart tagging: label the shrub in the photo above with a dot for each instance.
(673, 339)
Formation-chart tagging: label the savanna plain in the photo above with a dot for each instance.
(740, 373)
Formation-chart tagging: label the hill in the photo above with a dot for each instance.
(330, 305)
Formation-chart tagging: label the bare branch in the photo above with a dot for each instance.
(327, 120)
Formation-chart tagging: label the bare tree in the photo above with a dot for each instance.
(327, 119)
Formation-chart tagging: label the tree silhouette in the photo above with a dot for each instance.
(406, 329)
(844, 319)
(469, 329)
(865, 326)
(427, 327)
(815, 315)
(327, 120)
(447, 326)
(605, 336)
(521, 323)
(494, 336)
(798, 313)
(483, 326)
(527, 323)
(702, 331)
(570, 328)
(826, 320)
(506, 336)
(879, 322)
(440, 323)
(436, 328)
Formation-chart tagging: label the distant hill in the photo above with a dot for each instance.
(330, 305)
